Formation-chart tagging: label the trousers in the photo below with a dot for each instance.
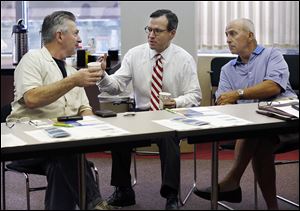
(169, 152)
(62, 191)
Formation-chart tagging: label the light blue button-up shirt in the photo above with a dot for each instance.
(264, 64)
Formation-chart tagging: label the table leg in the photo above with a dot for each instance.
(214, 175)
(183, 201)
(81, 182)
(3, 204)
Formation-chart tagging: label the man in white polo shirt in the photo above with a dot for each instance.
(45, 87)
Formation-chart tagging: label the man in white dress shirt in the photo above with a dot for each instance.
(179, 78)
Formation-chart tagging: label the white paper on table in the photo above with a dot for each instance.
(42, 123)
(214, 118)
(10, 140)
(288, 109)
(176, 125)
(223, 120)
(218, 119)
(42, 136)
(90, 120)
(196, 111)
(206, 111)
(80, 132)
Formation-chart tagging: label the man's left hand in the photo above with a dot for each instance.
(228, 98)
(170, 104)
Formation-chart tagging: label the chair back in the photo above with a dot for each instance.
(288, 142)
(293, 63)
(5, 111)
(215, 70)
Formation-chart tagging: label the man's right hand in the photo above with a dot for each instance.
(103, 59)
(87, 77)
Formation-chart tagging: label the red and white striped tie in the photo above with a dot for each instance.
(156, 83)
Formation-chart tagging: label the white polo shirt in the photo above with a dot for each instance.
(38, 68)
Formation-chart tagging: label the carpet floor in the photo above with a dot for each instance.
(203, 153)
(149, 180)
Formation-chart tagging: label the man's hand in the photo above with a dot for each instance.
(170, 104)
(87, 77)
(102, 60)
(228, 98)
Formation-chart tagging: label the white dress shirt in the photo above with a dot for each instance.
(179, 76)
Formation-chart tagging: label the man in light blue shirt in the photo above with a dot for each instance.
(265, 66)
(258, 73)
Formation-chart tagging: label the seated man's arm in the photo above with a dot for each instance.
(45, 95)
(263, 90)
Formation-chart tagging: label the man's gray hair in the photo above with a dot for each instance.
(247, 24)
(57, 21)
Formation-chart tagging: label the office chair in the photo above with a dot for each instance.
(215, 70)
(34, 170)
(293, 63)
(283, 147)
(28, 168)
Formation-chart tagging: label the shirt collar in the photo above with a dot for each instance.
(256, 51)
(47, 54)
(165, 54)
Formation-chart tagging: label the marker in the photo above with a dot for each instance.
(59, 124)
(174, 112)
(171, 111)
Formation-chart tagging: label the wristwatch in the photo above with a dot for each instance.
(241, 93)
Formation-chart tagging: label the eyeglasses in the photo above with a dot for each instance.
(11, 122)
(264, 104)
(156, 32)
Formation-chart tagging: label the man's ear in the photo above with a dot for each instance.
(59, 36)
(251, 36)
(173, 33)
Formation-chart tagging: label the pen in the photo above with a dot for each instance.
(59, 124)
(171, 111)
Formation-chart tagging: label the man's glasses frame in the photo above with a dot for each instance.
(156, 32)
(11, 122)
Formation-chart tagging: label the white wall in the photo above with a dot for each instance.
(135, 16)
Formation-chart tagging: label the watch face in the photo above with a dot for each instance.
(241, 92)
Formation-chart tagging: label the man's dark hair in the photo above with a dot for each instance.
(54, 22)
(172, 18)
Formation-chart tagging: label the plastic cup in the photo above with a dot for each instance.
(163, 98)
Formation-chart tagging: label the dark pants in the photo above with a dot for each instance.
(170, 166)
(62, 191)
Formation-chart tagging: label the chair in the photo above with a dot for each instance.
(215, 70)
(28, 168)
(293, 63)
(34, 170)
(287, 145)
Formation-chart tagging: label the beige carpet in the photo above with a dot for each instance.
(147, 188)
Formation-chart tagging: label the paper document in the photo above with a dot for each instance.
(200, 118)
(290, 110)
(101, 129)
(285, 110)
